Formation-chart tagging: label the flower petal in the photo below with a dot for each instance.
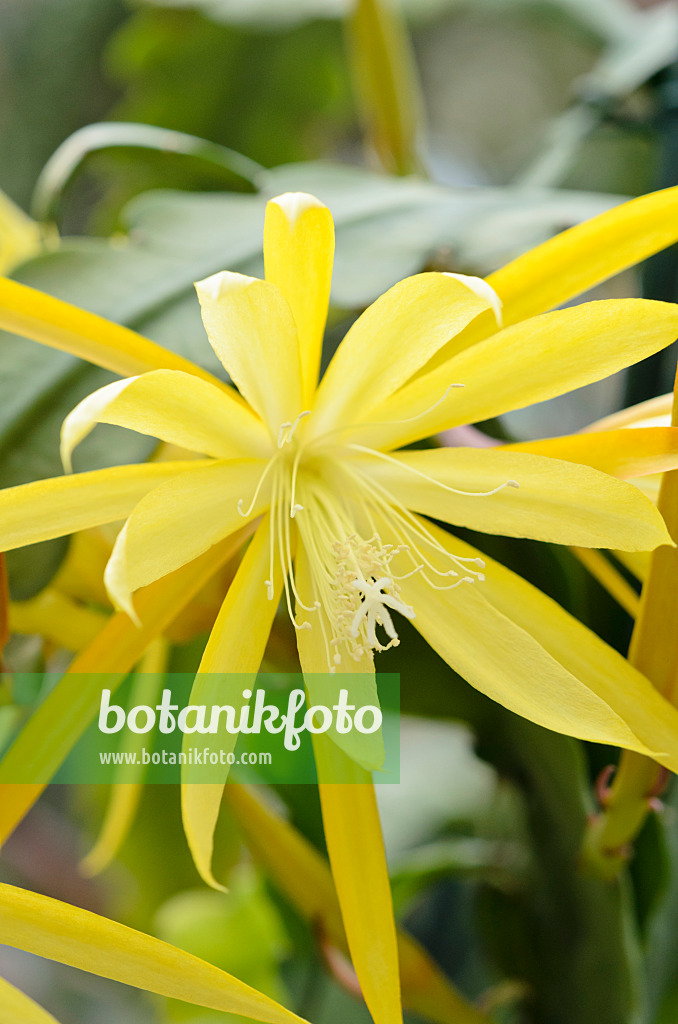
(655, 412)
(235, 648)
(175, 407)
(555, 501)
(298, 255)
(523, 650)
(526, 363)
(40, 748)
(576, 260)
(69, 935)
(127, 782)
(41, 317)
(625, 453)
(179, 521)
(252, 330)
(302, 874)
(356, 849)
(18, 1008)
(52, 508)
(392, 339)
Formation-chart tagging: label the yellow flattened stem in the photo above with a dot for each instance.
(520, 495)
(41, 317)
(180, 521)
(394, 338)
(19, 235)
(298, 256)
(355, 845)
(57, 931)
(585, 255)
(386, 83)
(234, 650)
(57, 618)
(252, 330)
(53, 508)
(18, 1008)
(654, 652)
(506, 371)
(175, 407)
(624, 452)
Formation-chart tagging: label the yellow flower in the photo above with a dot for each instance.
(342, 534)
(342, 520)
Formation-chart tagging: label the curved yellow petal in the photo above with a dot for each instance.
(18, 1008)
(40, 748)
(176, 407)
(523, 650)
(556, 501)
(55, 323)
(179, 521)
(69, 935)
(624, 453)
(523, 364)
(298, 256)
(576, 260)
(655, 412)
(355, 847)
(251, 328)
(52, 508)
(392, 339)
(235, 648)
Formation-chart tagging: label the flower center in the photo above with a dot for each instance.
(326, 502)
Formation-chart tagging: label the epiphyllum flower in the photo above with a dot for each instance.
(342, 532)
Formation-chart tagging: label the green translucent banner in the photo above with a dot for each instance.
(172, 727)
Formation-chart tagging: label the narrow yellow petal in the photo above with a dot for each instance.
(624, 452)
(542, 663)
(556, 501)
(52, 508)
(655, 412)
(578, 345)
(303, 876)
(176, 407)
(57, 618)
(235, 648)
(356, 850)
(69, 935)
(298, 255)
(127, 783)
(576, 260)
(40, 748)
(392, 339)
(55, 323)
(179, 521)
(17, 1008)
(251, 328)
